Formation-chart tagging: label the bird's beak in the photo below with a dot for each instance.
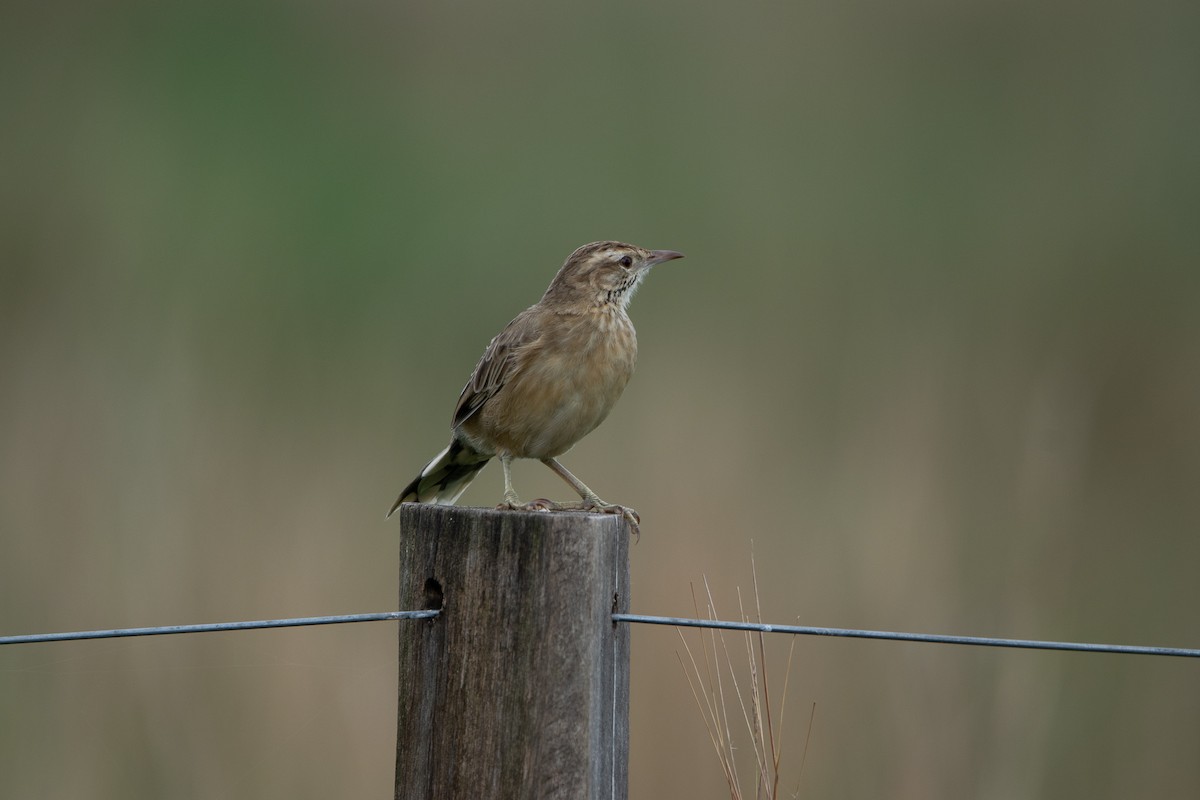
(659, 256)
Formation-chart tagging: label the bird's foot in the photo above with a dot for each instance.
(510, 503)
(590, 506)
(627, 514)
(594, 505)
(514, 504)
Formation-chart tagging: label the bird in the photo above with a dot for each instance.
(546, 381)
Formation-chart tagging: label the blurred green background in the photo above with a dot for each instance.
(933, 357)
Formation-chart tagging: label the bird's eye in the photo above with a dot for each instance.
(626, 261)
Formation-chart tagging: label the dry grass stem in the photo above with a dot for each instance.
(714, 692)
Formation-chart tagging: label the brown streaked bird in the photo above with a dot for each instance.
(548, 379)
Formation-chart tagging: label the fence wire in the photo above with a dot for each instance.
(935, 638)
(295, 622)
(685, 622)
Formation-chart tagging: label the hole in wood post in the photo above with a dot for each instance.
(433, 594)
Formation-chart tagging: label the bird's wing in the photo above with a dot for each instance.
(497, 366)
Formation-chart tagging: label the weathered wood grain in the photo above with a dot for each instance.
(520, 688)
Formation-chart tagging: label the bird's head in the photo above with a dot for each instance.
(604, 273)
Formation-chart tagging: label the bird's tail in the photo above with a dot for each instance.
(445, 477)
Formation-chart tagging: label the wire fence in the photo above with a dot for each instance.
(295, 622)
(927, 638)
(684, 622)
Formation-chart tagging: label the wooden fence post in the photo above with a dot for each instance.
(520, 687)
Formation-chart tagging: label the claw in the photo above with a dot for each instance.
(627, 514)
(542, 504)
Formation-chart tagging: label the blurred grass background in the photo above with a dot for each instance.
(935, 352)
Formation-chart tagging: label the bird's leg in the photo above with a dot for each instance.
(510, 494)
(511, 501)
(590, 500)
